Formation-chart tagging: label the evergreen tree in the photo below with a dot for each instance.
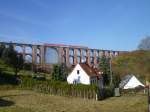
(56, 72)
(104, 65)
(13, 59)
(2, 48)
(60, 72)
(63, 72)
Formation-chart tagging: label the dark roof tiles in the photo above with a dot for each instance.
(92, 72)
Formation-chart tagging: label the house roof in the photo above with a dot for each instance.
(92, 72)
(130, 81)
(125, 80)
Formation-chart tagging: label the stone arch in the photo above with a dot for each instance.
(38, 50)
(84, 59)
(51, 55)
(84, 52)
(71, 52)
(111, 54)
(97, 53)
(78, 52)
(98, 59)
(28, 49)
(19, 49)
(107, 54)
(38, 59)
(91, 60)
(64, 59)
(91, 53)
(97, 56)
(78, 59)
(71, 60)
(64, 51)
(28, 59)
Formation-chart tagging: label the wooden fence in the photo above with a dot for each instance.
(72, 92)
(62, 88)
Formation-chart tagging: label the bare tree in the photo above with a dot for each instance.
(144, 44)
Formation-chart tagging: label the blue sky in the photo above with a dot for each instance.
(103, 24)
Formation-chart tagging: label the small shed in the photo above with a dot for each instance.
(130, 82)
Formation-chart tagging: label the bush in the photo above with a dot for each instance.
(8, 79)
(108, 92)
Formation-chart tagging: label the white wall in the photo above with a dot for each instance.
(84, 78)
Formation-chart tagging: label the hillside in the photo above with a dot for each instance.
(136, 62)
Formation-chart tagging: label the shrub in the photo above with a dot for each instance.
(108, 92)
(6, 78)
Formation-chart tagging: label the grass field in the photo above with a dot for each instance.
(29, 101)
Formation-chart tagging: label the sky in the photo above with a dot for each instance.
(102, 24)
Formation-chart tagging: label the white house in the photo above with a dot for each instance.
(130, 82)
(84, 74)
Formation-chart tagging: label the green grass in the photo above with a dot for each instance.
(29, 101)
(4, 68)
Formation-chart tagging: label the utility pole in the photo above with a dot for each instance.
(110, 71)
(148, 98)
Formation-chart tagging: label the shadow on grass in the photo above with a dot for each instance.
(16, 95)
(6, 103)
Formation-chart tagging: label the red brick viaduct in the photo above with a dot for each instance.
(68, 54)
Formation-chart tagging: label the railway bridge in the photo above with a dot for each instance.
(44, 56)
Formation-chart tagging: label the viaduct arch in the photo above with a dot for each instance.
(43, 56)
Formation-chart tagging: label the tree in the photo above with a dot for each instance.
(56, 72)
(13, 59)
(63, 72)
(104, 65)
(144, 44)
(60, 72)
(2, 47)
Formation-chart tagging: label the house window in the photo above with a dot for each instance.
(93, 81)
(78, 72)
(90, 81)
